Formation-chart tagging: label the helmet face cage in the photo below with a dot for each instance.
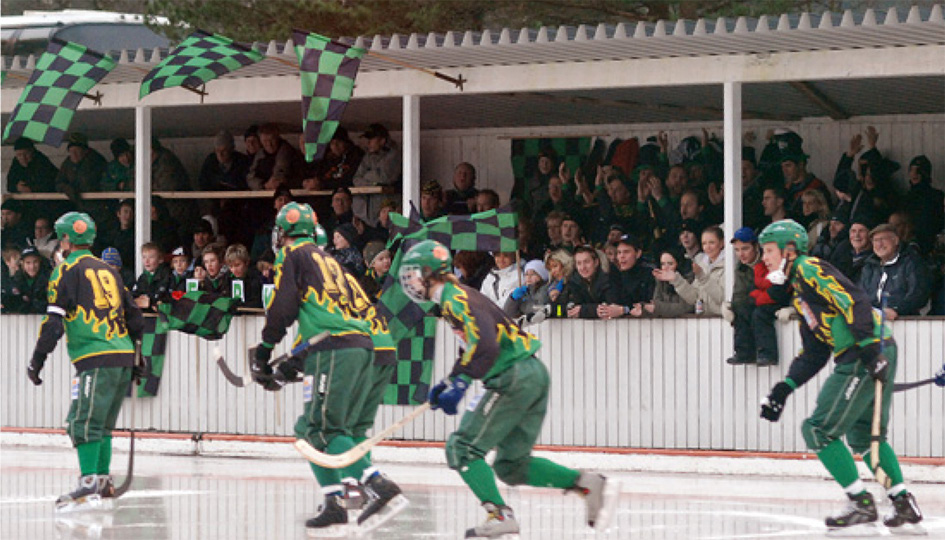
(412, 282)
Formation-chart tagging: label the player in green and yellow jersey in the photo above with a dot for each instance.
(311, 287)
(837, 319)
(89, 304)
(509, 415)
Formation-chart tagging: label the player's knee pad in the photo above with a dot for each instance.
(814, 436)
(459, 453)
(512, 473)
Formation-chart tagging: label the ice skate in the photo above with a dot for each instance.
(600, 495)
(905, 517)
(88, 496)
(107, 491)
(353, 499)
(331, 521)
(500, 523)
(857, 519)
(385, 500)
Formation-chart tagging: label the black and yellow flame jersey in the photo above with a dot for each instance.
(312, 287)
(98, 313)
(493, 341)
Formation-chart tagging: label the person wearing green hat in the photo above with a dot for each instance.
(837, 319)
(508, 417)
(312, 287)
(88, 303)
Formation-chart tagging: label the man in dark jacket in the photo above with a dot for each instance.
(31, 171)
(924, 203)
(897, 271)
(29, 284)
(851, 253)
(632, 280)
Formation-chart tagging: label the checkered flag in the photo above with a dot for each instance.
(63, 76)
(410, 326)
(203, 314)
(200, 58)
(328, 69)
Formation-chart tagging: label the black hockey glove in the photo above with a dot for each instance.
(876, 363)
(260, 368)
(773, 405)
(35, 367)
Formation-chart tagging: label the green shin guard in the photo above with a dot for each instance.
(481, 480)
(105, 456)
(838, 460)
(888, 462)
(89, 457)
(546, 473)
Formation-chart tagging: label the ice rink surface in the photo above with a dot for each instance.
(205, 498)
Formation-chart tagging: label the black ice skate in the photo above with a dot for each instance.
(385, 500)
(905, 517)
(88, 496)
(500, 524)
(857, 519)
(331, 521)
(600, 495)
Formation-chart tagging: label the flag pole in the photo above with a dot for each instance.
(458, 81)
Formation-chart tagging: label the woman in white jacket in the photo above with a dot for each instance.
(502, 280)
(709, 270)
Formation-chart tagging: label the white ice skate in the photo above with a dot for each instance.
(500, 524)
(600, 495)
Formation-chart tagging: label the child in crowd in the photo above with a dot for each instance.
(112, 257)
(214, 278)
(151, 288)
(379, 262)
(345, 251)
(11, 265)
(752, 310)
(29, 284)
(530, 301)
(180, 272)
(243, 276)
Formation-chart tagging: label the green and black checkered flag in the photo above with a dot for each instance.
(203, 314)
(63, 76)
(328, 69)
(570, 150)
(413, 330)
(199, 59)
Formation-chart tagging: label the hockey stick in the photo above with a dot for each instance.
(126, 483)
(900, 387)
(878, 472)
(301, 350)
(340, 461)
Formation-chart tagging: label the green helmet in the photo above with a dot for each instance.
(321, 237)
(296, 219)
(77, 226)
(427, 258)
(784, 232)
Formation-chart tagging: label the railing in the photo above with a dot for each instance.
(256, 194)
(625, 383)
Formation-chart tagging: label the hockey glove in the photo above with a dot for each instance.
(940, 377)
(260, 368)
(35, 367)
(876, 363)
(447, 394)
(773, 405)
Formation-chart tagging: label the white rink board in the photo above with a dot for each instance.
(624, 383)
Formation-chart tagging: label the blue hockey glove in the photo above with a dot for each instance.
(520, 292)
(447, 394)
(773, 405)
(940, 377)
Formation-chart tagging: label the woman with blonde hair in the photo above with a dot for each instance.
(816, 213)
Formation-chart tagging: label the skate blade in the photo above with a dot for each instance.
(335, 531)
(855, 531)
(909, 529)
(86, 504)
(83, 525)
(608, 508)
(389, 510)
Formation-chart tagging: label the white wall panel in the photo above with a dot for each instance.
(626, 383)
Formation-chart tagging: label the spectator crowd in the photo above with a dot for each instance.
(634, 232)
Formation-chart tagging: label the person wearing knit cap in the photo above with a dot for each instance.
(29, 283)
(345, 250)
(530, 301)
(925, 204)
(431, 200)
(112, 257)
(120, 172)
(31, 171)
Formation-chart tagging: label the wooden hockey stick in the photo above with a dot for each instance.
(878, 472)
(340, 461)
(126, 483)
